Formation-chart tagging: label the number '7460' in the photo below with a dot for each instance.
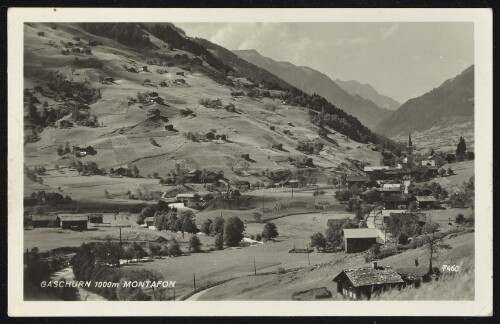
(451, 268)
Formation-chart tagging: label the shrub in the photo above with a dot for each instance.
(318, 240)
(252, 237)
(258, 237)
(205, 227)
(174, 249)
(460, 219)
(280, 270)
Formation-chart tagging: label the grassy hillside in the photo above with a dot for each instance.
(282, 286)
(121, 128)
(312, 81)
(450, 103)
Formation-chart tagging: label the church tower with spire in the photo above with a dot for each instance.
(409, 156)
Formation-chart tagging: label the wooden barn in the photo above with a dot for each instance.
(45, 221)
(359, 239)
(73, 221)
(363, 283)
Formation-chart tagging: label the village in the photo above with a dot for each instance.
(151, 155)
(366, 215)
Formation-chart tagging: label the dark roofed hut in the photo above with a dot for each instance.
(45, 221)
(363, 283)
(73, 221)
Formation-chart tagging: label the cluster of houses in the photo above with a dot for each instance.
(364, 283)
(396, 192)
(77, 222)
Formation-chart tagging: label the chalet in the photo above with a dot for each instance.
(180, 73)
(242, 185)
(185, 197)
(211, 177)
(376, 168)
(386, 213)
(427, 202)
(414, 275)
(193, 176)
(149, 221)
(363, 283)
(73, 221)
(95, 218)
(398, 201)
(351, 181)
(359, 239)
(439, 161)
(87, 149)
(169, 127)
(45, 221)
(289, 184)
(222, 137)
(428, 163)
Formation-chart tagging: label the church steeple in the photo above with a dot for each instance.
(409, 156)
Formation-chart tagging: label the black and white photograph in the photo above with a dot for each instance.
(205, 158)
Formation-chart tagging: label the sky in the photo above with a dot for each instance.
(401, 60)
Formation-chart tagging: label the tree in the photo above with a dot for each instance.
(450, 171)
(258, 237)
(442, 172)
(187, 219)
(219, 241)
(434, 243)
(67, 150)
(106, 194)
(174, 248)
(461, 148)
(403, 238)
(205, 227)
(135, 171)
(217, 226)
(148, 211)
(257, 217)
(270, 232)
(460, 219)
(335, 232)
(233, 231)
(318, 240)
(194, 244)
(134, 251)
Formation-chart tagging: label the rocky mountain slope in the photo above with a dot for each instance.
(144, 94)
(368, 92)
(451, 103)
(312, 81)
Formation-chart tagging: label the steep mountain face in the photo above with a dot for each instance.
(312, 81)
(368, 92)
(145, 95)
(451, 103)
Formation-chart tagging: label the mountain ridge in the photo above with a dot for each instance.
(312, 81)
(450, 103)
(367, 91)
